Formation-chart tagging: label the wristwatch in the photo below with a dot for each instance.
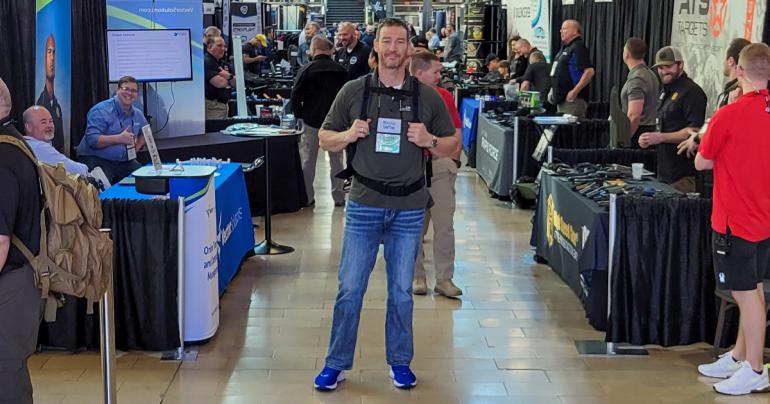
(434, 142)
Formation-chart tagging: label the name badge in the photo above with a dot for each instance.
(131, 152)
(388, 143)
(553, 68)
(386, 125)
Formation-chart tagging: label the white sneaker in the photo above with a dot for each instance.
(744, 381)
(723, 368)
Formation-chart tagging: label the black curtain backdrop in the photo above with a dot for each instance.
(17, 45)
(89, 63)
(663, 278)
(606, 27)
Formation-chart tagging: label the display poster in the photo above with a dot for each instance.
(531, 20)
(176, 108)
(245, 20)
(702, 31)
(53, 66)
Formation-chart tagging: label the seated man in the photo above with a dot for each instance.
(39, 130)
(492, 62)
(114, 133)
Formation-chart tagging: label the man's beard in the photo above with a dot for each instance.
(392, 65)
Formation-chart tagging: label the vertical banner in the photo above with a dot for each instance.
(531, 20)
(226, 20)
(53, 62)
(177, 108)
(702, 31)
(245, 20)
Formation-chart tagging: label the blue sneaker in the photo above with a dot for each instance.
(402, 376)
(328, 378)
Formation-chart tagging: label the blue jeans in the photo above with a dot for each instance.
(365, 227)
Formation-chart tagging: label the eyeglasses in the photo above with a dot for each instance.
(130, 90)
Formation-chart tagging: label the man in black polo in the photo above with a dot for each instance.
(571, 72)
(315, 88)
(218, 79)
(47, 97)
(681, 111)
(20, 301)
(536, 78)
(353, 54)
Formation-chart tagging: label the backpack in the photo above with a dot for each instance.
(75, 257)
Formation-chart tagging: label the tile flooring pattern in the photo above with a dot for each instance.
(509, 339)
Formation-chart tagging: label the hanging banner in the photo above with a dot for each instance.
(245, 20)
(531, 20)
(177, 108)
(53, 73)
(226, 20)
(702, 31)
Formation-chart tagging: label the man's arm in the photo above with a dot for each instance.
(585, 79)
(653, 138)
(635, 108)
(702, 163)
(219, 82)
(333, 141)
(5, 246)
(298, 93)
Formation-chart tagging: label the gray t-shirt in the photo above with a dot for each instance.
(642, 83)
(454, 48)
(396, 169)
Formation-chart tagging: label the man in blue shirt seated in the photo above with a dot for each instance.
(39, 130)
(114, 133)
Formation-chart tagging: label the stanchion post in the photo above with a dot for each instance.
(611, 250)
(515, 149)
(107, 339)
(181, 277)
(550, 154)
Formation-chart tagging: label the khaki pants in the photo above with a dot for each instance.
(308, 152)
(215, 110)
(577, 107)
(20, 306)
(442, 191)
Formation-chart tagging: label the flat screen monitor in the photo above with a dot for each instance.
(149, 54)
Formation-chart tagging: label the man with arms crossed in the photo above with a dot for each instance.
(426, 67)
(736, 146)
(385, 138)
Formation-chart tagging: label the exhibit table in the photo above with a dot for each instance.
(469, 112)
(571, 233)
(288, 184)
(494, 146)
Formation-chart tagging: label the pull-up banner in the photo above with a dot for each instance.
(703, 30)
(531, 20)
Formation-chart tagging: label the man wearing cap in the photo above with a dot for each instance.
(492, 62)
(681, 111)
(571, 72)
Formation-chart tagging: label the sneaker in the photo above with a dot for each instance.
(722, 368)
(328, 378)
(744, 381)
(402, 376)
(447, 288)
(419, 286)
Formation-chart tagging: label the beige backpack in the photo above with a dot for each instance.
(75, 257)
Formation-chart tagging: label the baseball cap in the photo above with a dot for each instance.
(490, 58)
(667, 56)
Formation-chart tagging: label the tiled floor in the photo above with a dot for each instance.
(508, 340)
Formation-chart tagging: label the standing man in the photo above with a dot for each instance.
(453, 50)
(732, 89)
(353, 54)
(368, 36)
(47, 98)
(303, 54)
(681, 111)
(571, 72)
(20, 301)
(537, 77)
(639, 96)
(114, 133)
(386, 121)
(524, 49)
(314, 90)
(426, 67)
(39, 130)
(218, 79)
(736, 146)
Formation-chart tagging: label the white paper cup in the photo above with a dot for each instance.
(636, 170)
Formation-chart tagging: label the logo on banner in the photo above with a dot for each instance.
(558, 230)
(717, 14)
(244, 10)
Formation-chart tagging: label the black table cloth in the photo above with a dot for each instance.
(288, 184)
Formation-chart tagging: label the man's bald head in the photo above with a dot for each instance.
(319, 45)
(5, 100)
(570, 29)
(38, 123)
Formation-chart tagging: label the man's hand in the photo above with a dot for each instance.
(260, 58)
(359, 130)
(224, 74)
(126, 137)
(648, 139)
(418, 135)
(572, 95)
(734, 95)
(219, 82)
(688, 146)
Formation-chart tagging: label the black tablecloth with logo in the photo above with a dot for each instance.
(494, 155)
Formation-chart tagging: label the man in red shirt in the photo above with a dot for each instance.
(736, 146)
(425, 67)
